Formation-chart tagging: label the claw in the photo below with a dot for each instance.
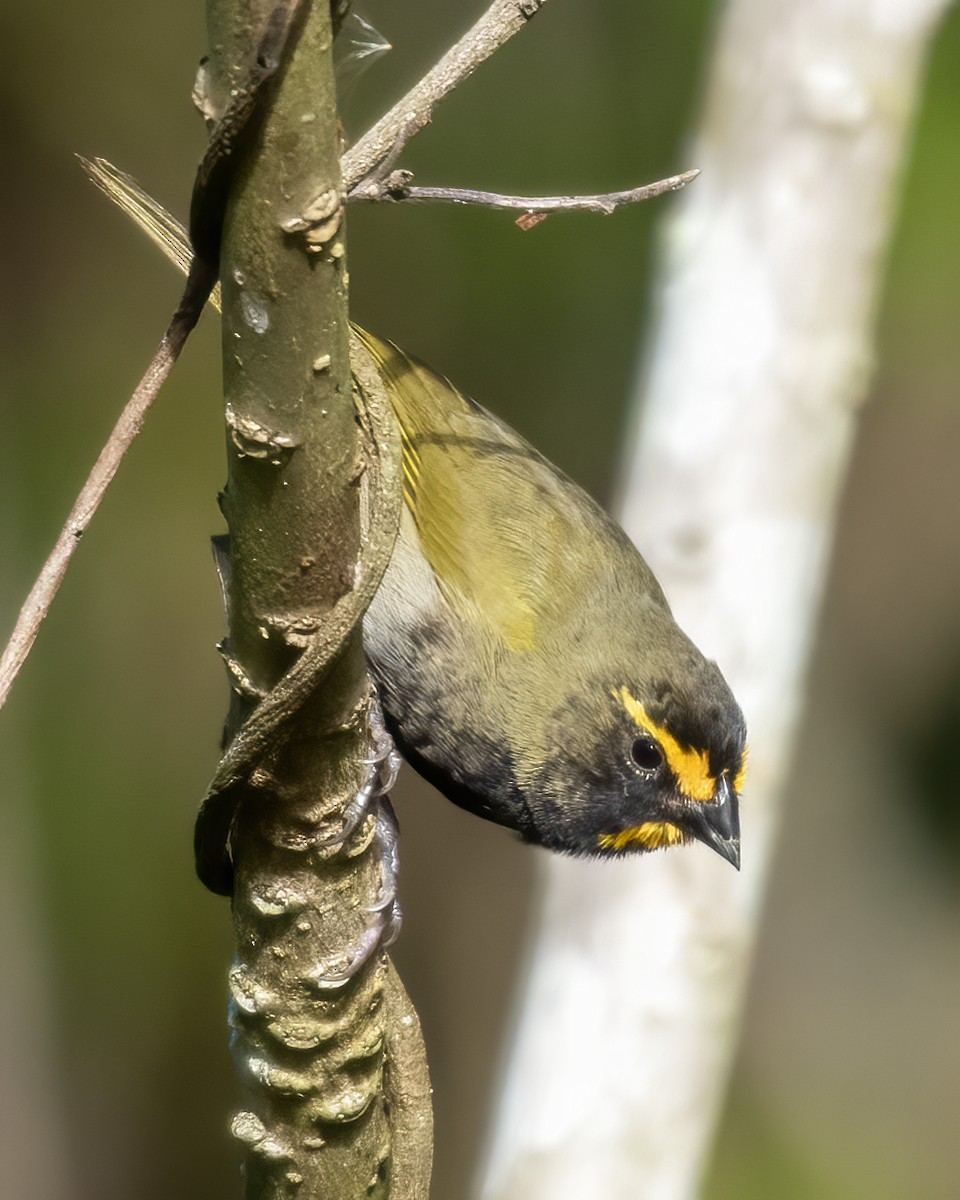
(386, 838)
(383, 766)
(385, 926)
(356, 958)
(391, 765)
(355, 812)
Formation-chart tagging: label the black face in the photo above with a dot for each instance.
(649, 780)
(627, 768)
(687, 752)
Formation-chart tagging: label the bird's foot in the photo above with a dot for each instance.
(382, 769)
(384, 910)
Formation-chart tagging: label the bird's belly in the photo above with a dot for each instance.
(439, 689)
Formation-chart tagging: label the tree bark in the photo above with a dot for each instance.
(313, 1020)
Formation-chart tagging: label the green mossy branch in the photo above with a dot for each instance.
(311, 1030)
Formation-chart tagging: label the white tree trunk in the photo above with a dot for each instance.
(761, 358)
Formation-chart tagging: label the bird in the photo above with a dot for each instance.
(526, 658)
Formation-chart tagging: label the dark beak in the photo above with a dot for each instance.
(717, 823)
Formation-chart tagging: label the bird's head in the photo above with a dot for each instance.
(651, 764)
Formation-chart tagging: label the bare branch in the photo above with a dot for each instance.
(209, 193)
(397, 188)
(498, 24)
(296, 826)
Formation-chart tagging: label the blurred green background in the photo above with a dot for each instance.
(116, 1079)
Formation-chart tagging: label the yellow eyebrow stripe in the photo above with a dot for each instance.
(691, 768)
(651, 835)
(741, 775)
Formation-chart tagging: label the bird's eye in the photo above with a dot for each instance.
(646, 754)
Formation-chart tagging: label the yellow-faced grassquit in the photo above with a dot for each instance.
(526, 658)
(527, 661)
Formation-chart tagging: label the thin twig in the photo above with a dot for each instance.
(398, 189)
(206, 218)
(498, 24)
(128, 425)
(384, 168)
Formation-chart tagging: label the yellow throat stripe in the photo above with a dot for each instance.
(691, 768)
(651, 835)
